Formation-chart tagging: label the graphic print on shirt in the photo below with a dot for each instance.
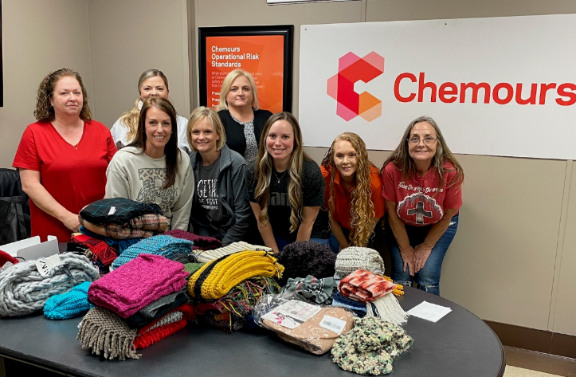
(152, 192)
(419, 209)
(207, 197)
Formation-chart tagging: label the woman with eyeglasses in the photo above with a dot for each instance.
(422, 186)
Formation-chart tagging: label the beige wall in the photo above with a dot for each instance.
(38, 37)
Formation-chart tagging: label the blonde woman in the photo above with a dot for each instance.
(422, 185)
(241, 116)
(353, 192)
(285, 188)
(152, 83)
(221, 209)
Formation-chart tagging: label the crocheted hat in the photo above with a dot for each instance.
(70, 304)
(307, 258)
(353, 258)
(364, 286)
(23, 290)
(370, 347)
(166, 246)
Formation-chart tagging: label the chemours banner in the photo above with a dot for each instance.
(495, 86)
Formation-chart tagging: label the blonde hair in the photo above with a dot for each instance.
(44, 111)
(403, 162)
(361, 206)
(265, 165)
(227, 84)
(130, 118)
(201, 113)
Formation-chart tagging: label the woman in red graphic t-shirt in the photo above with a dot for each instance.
(422, 186)
(62, 158)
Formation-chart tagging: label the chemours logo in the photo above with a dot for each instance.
(351, 69)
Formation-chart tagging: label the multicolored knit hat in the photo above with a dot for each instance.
(166, 246)
(23, 290)
(307, 258)
(137, 284)
(216, 278)
(364, 286)
(354, 258)
(70, 304)
(370, 347)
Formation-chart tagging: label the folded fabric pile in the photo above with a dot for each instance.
(138, 304)
(370, 347)
(98, 251)
(70, 304)
(216, 278)
(234, 247)
(356, 307)
(315, 333)
(307, 258)
(310, 289)
(200, 242)
(166, 246)
(369, 288)
(24, 290)
(121, 218)
(232, 311)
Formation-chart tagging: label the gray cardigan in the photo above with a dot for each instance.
(231, 188)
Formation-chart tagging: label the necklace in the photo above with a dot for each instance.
(282, 176)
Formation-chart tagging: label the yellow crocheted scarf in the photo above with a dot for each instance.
(216, 278)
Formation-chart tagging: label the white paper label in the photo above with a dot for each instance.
(112, 210)
(46, 265)
(292, 314)
(333, 324)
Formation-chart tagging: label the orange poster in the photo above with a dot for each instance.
(262, 56)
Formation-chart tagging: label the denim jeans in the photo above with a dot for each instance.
(428, 278)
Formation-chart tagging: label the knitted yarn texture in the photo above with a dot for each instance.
(200, 242)
(70, 304)
(307, 258)
(370, 347)
(106, 334)
(166, 246)
(157, 309)
(23, 290)
(312, 290)
(138, 283)
(354, 258)
(234, 247)
(216, 278)
(164, 327)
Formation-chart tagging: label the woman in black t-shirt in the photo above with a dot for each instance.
(286, 188)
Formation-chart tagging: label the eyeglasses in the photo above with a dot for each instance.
(416, 140)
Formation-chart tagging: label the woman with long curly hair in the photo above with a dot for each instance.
(62, 158)
(423, 190)
(352, 196)
(285, 187)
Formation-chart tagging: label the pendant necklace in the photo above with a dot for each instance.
(282, 176)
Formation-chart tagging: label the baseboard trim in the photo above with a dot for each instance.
(535, 340)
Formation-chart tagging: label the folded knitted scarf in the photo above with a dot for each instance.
(119, 245)
(138, 283)
(166, 246)
(232, 311)
(356, 307)
(97, 250)
(234, 247)
(69, 304)
(200, 242)
(117, 211)
(157, 309)
(140, 227)
(104, 333)
(216, 278)
(23, 290)
(307, 258)
(165, 326)
(370, 347)
(354, 258)
(310, 335)
(366, 287)
(316, 291)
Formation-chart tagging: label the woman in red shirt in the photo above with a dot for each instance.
(423, 190)
(352, 194)
(62, 158)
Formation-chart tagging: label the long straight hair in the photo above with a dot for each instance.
(265, 165)
(171, 150)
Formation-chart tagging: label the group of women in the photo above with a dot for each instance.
(245, 166)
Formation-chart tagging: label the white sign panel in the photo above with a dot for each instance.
(495, 86)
